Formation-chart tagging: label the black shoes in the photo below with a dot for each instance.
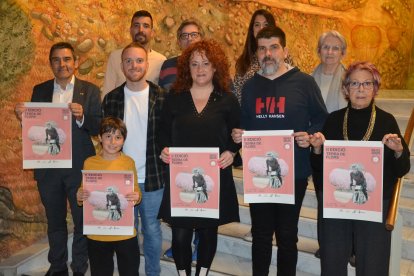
(57, 273)
(351, 259)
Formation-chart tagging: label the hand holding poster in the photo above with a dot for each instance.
(47, 136)
(194, 182)
(107, 211)
(352, 180)
(268, 166)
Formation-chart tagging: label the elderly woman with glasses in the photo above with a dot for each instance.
(361, 120)
(328, 74)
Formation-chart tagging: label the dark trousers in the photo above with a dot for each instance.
(181, 248)
(281, 220)
(101, 257)
(56, 188)
(319, 198)
(372, 245)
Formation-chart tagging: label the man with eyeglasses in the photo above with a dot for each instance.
(142, 31)
(188, 32)
(138, 102)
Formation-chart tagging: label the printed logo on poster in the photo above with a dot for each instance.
(47, 136)
(352, 180)
(107, 211)
(268, 166)
(194, 182)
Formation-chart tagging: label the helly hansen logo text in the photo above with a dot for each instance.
(270, 107)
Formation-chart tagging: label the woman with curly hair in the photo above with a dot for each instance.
(200, 111)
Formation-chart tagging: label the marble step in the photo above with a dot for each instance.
(395, 94)
(411, 162)
(401, 109)
(406, 207)
(224, 263)
(397, 107)
(234, 253)
(307, 222)
(230, 242)
(307, 228)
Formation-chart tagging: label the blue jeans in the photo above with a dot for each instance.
(151, 229)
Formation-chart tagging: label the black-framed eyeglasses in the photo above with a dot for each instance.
(367, 85)
(193, 35)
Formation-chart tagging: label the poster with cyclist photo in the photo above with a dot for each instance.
(46, 136)
(195, 182)
(352, 180)
(268, 166)
(107, 211)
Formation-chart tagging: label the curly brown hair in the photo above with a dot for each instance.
(216, 56)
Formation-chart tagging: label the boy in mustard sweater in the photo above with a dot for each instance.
(101, 248)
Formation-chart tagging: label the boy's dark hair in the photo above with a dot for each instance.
(269, 32)
(111, 124)
(142, 13)
(61, 45)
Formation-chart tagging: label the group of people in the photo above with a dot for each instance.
(196, 104)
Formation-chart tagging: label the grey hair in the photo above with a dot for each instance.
(335, 34)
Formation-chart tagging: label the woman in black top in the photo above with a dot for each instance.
(200, 111)
(361, 120)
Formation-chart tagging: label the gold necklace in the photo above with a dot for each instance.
(370, 125)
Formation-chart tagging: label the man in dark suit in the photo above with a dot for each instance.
(57, 186)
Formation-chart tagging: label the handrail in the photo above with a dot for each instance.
(392, 211)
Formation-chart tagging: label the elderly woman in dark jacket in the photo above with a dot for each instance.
(361, 120)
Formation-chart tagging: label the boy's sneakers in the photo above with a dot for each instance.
(168, 253)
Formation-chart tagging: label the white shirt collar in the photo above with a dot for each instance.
(69, 86)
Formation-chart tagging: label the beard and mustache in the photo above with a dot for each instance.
(269, 68)
(141, 37)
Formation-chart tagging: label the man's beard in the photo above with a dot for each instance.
(136, 79)
(269, 69)
(141, 38)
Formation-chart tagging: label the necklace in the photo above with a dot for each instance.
(370, 124)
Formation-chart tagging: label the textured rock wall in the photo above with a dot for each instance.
(376, 30)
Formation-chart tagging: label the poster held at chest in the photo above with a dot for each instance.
(47, 136)
(352, 180)
(195, 182)
(268, 166)
(107, 211)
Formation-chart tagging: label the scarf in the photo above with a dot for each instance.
(335, 99)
